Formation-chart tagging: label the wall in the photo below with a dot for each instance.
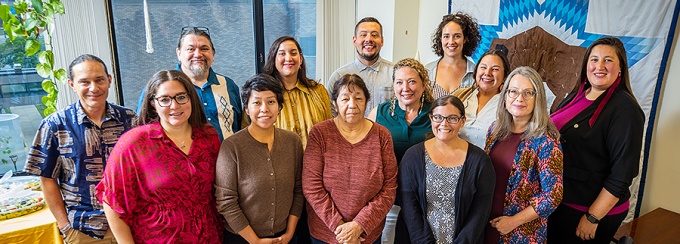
(663, 173)
(383, 10)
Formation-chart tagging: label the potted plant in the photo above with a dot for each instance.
(30, 19)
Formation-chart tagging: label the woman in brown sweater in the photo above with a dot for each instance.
(349, 170)
(258, 186)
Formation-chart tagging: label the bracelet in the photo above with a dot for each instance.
(65, 229)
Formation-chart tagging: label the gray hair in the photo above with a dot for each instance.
(539, 123)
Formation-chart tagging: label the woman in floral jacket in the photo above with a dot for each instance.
(524, 148)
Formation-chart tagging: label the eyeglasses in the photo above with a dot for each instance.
(526, 94)
(166, 101)
(438, 118)
(194, 29)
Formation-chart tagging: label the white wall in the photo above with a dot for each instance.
(430, 14)
(383, 10)
(663, 172)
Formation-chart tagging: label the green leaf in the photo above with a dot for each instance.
(45, 99)
(37, 5)
(7, 26)
(49, 110)
(32, 46)
(48, 86)
(4, 12)
(60, 75)
(31, 23)
(58, 6)
(43, 70)
(21, 8)
(46, 57)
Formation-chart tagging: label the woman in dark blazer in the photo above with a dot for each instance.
(601, 125)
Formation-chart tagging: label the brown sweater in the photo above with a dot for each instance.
(256, 187)
(348, 182)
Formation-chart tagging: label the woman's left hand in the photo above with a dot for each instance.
(283, 239)
(349, 232)
(504, 224)
(586, 230)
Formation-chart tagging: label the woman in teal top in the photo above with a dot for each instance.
(406, 117)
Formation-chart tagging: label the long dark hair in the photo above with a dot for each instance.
(148, 114)
(623, 62)
(270, 64)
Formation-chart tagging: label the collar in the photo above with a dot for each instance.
(301, 87)
(82, 117)
(212, 76)
(470, 65)
(375, 66)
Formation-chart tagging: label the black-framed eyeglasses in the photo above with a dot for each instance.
(194, 29)
(166, 101)
(452, 119)
(526, 94)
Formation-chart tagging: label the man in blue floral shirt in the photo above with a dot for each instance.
(70, 150)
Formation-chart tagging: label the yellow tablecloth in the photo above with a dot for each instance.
(38, 227)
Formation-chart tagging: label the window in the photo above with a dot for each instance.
(296, 19)
(20, 102)
(230, 23)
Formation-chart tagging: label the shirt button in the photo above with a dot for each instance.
(272, 205)
(269, 159)
(575, 126)
(209, 119)
(271, 174)
(205, 104)
(272, 188)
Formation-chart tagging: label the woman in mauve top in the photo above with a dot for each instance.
(349, 170)
(158, 182)
(258, 185)
(525, 151)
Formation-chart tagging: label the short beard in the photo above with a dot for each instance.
(198, 70)
(369, 58)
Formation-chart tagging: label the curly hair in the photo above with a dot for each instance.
(470, 33)
(422, 73)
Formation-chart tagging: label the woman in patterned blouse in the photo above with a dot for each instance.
(524, 147)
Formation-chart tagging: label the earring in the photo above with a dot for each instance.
(393, 104)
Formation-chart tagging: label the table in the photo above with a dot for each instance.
(657, 226)
(38, 227)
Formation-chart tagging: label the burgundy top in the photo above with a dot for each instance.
(348, 182)
(502, 156)
(568, 112)
(164, 195)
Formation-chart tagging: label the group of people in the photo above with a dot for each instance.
(449, 152)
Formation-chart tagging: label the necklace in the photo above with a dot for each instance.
(183, 146)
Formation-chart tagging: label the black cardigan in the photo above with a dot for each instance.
(606, 155)
(474, 193)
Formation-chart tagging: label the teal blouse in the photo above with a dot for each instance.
(404, 135)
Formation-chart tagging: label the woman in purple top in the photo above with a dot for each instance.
(601, 125)
(158, 182)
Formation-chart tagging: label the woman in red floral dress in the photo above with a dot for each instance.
(159, 180)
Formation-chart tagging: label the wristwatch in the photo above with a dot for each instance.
(592, 219)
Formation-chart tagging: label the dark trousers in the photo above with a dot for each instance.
(563, 221)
